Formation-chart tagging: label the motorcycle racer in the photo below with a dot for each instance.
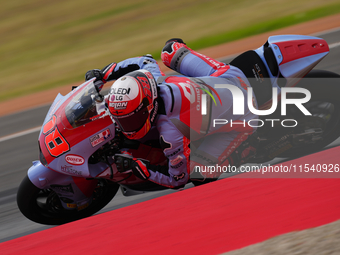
(182, 108)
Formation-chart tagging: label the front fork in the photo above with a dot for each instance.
(73, 192)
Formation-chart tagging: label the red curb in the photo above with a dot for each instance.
(210, 219)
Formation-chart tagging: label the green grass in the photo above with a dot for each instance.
(47, 44)
(261, 27)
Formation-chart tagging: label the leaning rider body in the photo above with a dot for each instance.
(142, 97)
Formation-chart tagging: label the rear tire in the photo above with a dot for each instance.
(51, 212)
(324, 93)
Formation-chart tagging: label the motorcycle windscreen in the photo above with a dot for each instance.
(82, 108)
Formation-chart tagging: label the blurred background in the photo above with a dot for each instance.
(45, 44)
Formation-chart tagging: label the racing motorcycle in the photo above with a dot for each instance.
(76, 175)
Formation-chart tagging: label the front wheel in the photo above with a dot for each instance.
(43, 205)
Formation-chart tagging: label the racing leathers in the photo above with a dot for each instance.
(195, 120)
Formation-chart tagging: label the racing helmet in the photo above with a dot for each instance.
(132, 103)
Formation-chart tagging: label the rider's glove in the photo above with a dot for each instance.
(101, 75)
(125, 162)
(108, 73)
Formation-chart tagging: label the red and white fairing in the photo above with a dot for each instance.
(73, 131)
(75, 127)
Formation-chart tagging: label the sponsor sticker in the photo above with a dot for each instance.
(100, 137)
(74, 159)
(70, 170)
(120, 91)
(71, 206)
(119, 105)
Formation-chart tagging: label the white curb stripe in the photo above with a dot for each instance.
(22, 133)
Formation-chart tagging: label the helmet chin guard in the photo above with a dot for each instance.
(132, 103)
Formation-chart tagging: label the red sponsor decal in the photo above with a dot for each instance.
(74, 159)
(99, 138)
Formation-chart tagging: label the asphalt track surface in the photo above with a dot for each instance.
(18, 148)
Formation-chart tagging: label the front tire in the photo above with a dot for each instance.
(44, 207)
